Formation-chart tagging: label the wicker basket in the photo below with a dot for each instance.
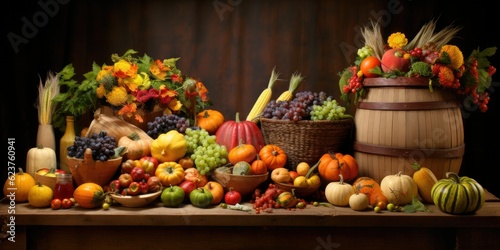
(307, 141)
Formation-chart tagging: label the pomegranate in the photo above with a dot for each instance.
(394, 60)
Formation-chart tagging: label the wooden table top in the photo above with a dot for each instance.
(156, 214)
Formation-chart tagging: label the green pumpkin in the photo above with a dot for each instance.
(172, 196)
(201, 197)
(242, 168)
(458, 195)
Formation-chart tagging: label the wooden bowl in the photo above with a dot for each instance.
(136, 200)
(300, 192)
(244, 184)
(87, 170)
(49, 181)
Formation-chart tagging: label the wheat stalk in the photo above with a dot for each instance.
(373, 38)
(46, 93)
(427, 37)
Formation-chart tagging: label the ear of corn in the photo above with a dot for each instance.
(287, 95)
(264, 98)
(46, 94)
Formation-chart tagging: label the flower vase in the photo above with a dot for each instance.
(45, 136)
(67, 140)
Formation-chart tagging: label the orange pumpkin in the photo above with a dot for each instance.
(371, 188)
(242, 152)
(89, 195)
(258, 166)
(217, 191)
(273, 156)
(136, 146)
(210, 120)
(330, 168)
(351, 161)
(20, 184)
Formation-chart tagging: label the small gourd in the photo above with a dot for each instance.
(242, 168)
(169, 147)
(286, 199)
(338, 193)
(425, 180)
(89, 195)
(40, 195)
(40, 157)
(399, 188)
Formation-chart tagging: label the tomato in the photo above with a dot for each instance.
(367, 64)
(67, 203)
(56, 204)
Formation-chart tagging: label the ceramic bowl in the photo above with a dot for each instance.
(136, 200)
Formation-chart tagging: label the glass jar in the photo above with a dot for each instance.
(64, 186)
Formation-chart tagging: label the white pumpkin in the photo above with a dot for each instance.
(338, 193)
(399, 188)
(40, 157)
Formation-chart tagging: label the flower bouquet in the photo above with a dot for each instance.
(134, 87)
(428, 55)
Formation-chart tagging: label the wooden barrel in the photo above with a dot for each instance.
(401, 121)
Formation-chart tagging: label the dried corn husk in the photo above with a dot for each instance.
(114, 126)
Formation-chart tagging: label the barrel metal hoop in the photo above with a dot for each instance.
(455, 152)
(407, 106)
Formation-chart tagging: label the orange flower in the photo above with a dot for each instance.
(203, 91)
(446, 76)
(128, 109)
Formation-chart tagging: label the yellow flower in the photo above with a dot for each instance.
(397, 40)
(106, 71)
(175, 105)
(117, 96)
(456, 56)
(100, 91)
(124, 69)
(143, 81)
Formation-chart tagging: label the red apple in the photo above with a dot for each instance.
(293, 174)
(137, 174)
(134, 188)
(188, 186)
(114, 186)
(149, 164)
(394, 60)
(154, 184)
(125, 180)
(144, 187)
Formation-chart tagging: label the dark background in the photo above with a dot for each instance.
(232, 48)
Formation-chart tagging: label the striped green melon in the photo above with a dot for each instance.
(458, 195)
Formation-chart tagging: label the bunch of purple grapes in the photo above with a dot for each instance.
(299, 108)
(163, 124)
(102, 146)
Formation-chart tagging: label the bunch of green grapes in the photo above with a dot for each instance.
(365, 51)
(330, 110)
(205, 152)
